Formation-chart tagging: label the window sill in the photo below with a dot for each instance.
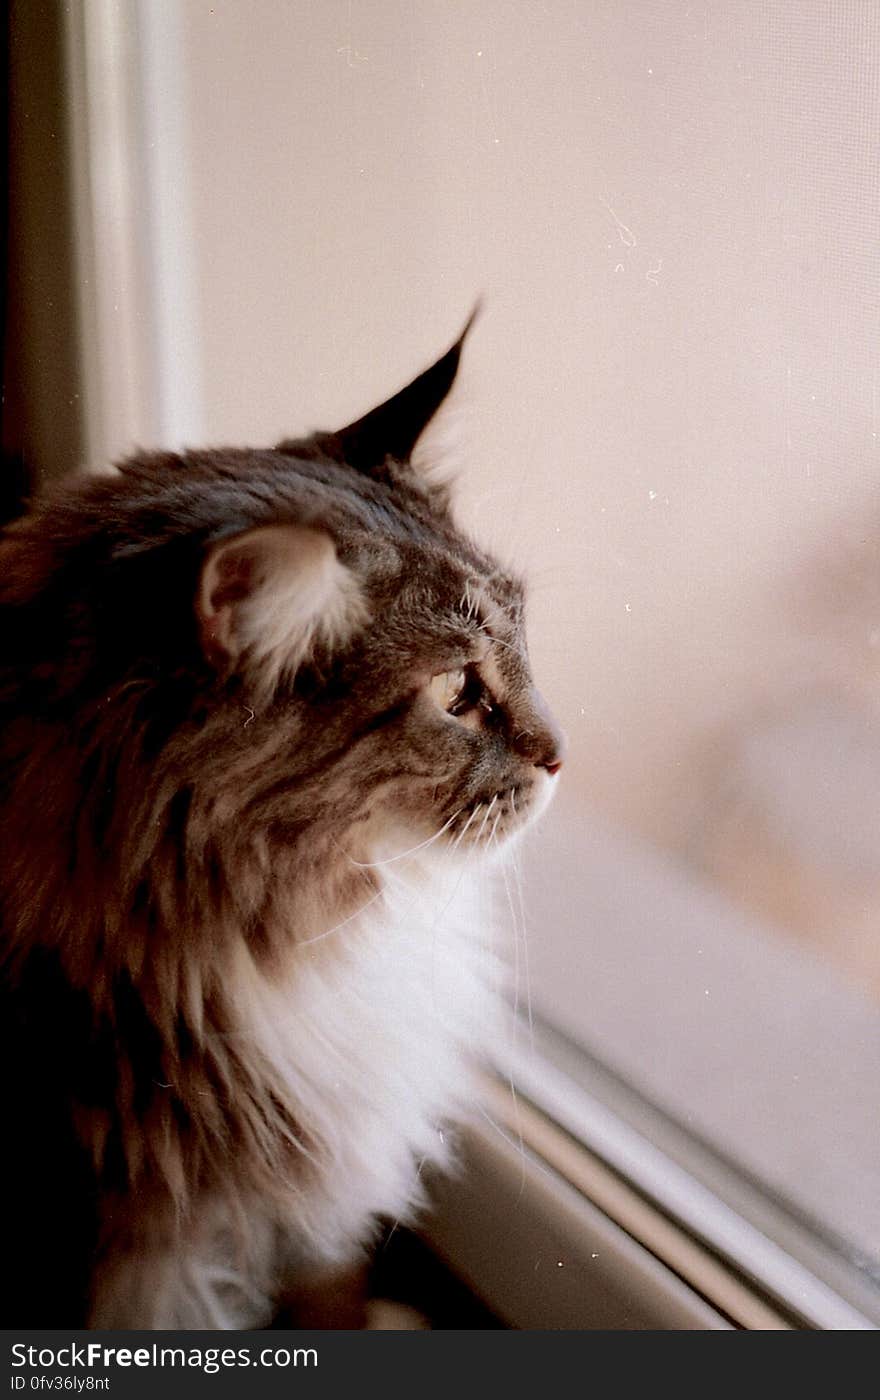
(567, 1217)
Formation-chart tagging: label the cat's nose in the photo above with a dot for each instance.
(543, 742)
(554, 752)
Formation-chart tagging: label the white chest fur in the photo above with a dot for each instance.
(373, 1039)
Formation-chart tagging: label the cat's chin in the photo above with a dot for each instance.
(476, 834)
(499, 820)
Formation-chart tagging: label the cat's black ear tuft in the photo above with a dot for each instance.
(393, 429)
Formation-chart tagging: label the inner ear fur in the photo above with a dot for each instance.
(270, 597)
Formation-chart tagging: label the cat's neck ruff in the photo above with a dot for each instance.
(372, 1032)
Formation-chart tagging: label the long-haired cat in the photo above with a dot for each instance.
(260, 710)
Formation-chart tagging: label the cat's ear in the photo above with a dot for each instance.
(270, 598)
(393, 429)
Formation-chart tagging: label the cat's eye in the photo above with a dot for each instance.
(449, 688)
(461, 693)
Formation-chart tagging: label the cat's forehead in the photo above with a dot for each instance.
(406, 541)
(454, 610)
(460, 580)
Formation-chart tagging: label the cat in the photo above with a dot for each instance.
(260, 713)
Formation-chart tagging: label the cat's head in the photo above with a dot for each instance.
(282, 651)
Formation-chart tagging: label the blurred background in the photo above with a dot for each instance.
(234, 222)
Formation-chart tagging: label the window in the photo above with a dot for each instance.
(673, 413)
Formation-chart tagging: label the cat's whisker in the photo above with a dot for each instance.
(467, 601)
(515, 929)
(513, 1050)
(518, 884)
(396, 1226)
(370, 884)
(374, 864)
(518, 930)
(468, 860)
(465, 868)
(520, 899)
(304, 942)
(518, 1145)
(460, 837)
(479, 836)
(496, 641)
